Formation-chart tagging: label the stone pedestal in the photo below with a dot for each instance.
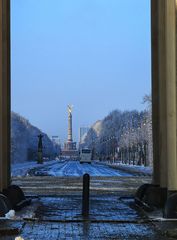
(70, 146)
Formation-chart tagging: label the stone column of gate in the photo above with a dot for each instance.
(155, 90)
(162, 93)
(170, 35)
(4, 93)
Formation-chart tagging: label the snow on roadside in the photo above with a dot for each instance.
(21, 169)
(133, 168)
(142, 169)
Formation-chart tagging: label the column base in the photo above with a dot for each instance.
(170, 209)
(151, 195)
(40, 158)
(16, 197)
(5, 206)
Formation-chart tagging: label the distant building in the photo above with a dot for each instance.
(83, 133)
(55, 139)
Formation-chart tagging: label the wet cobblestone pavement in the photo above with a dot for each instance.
(112, 214)
(110, 217)
(102, 208)
(87, 230)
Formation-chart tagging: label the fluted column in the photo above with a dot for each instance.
(170, 12)
(162, 78)
(163, 17)
(155, 89)
(4, 93)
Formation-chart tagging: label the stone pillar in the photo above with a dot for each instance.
(171, 105)
(162, 93)
(170, 12)
(155, 91)
(70, 139)
(4, 93)
(163, 103)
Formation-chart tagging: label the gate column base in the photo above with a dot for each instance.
(170, 208)
(151, 195)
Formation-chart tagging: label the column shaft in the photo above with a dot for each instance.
(155, 90)
(162, 94)
(4, 93)
(171, 92)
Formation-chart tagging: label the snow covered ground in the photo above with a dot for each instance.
(74, 168)
(66, 168)
(131, 167)
(21, 169)
(143, 169)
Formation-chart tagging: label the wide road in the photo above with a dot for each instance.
(74, 168)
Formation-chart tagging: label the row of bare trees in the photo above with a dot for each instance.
(123, 136)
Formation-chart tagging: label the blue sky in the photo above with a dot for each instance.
(94, 54)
